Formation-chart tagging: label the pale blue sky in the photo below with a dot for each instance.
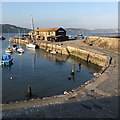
(67, 14)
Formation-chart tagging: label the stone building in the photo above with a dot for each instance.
(49, 34)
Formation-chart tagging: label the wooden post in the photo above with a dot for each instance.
(29, 91)
(88, 58)
(79, 66)
(73, 69)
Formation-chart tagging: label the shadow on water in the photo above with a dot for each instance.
(103, 107)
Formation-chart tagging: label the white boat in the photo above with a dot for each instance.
(31, 45)
(53, 52)
(20, 50)
(9, 49)
(48, 50)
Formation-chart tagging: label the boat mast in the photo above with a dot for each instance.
(32, 27)
(8, 38)
(19, 37)
(32, 24)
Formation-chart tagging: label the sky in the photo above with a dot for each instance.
(89, 15)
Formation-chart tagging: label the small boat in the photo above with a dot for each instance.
(20, 50)
(8, 50)
(48, 50)
(53, 52)
(14, 47)
(6, 60)
(31, 45)
(2, 38)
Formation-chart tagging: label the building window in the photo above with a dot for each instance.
(61, 31)
(48, 33)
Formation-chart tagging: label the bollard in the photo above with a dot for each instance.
(29, 91)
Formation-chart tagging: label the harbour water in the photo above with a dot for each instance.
(46, 73)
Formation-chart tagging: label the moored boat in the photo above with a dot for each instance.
(14, 47)
(53, 52)
(20, 50)
(2, 38)
(6, 60)
(8, 50)
(31, 45)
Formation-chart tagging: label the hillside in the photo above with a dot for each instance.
(14, 29)
(5, 28)
(88, 31)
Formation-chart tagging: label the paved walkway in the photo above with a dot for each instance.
(98, 99)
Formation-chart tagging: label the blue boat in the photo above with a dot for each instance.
(6, 60)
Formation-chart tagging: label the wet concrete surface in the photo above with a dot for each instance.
(105, 107)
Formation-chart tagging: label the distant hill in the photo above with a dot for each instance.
(14, 29)
(88, 31)
(5, 28)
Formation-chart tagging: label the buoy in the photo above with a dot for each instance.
(11, 78)
(95, 74)
(66, 92)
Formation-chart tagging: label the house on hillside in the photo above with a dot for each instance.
(49, 34)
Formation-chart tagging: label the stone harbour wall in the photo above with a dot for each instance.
(103, 42)
(90, 56)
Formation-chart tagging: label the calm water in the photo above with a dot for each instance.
(46, 73)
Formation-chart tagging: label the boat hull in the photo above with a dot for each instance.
(20, 50)
(8, 51)
(31, 46)
(6, 62)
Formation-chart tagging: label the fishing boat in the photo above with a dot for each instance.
(31, 44)
(6, 60)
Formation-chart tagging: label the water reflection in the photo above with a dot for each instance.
(83, 64)
(57, 58)
(9, 67)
